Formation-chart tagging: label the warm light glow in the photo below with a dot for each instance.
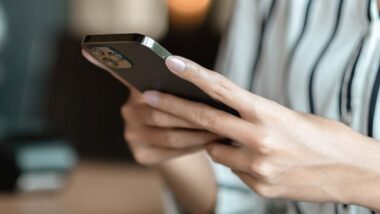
(189, 7)
(188, 13)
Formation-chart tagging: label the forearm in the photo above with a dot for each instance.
(192, 182)
(366, 189)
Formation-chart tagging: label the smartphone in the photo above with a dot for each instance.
(140, 61)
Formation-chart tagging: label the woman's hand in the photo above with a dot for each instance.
(281, 153)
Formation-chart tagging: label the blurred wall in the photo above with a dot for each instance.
(28, 52)
(119, 16)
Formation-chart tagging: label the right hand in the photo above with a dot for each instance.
(155, 136)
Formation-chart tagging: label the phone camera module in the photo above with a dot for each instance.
(110, 57)
(97, 52)
(110, 63)
(115, 57)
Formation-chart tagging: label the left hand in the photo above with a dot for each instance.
(282, 153)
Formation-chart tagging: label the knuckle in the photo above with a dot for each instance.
(193, 67)
(129, 112)
(264, 144)
(253, 138)
(266, 191)
(130, 136)
(263, 168)
(154, 117)
(206, 118)
(143, 157)
(264, 149)
(221, 88)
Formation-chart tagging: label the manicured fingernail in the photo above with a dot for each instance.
(151, 97)
(175, 64)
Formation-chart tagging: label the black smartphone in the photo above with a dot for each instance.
(140, 61)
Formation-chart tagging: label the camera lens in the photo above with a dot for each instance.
(96, 52)
(110, 63)
(115, 57)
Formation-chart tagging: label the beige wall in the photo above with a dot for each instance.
(118, 16)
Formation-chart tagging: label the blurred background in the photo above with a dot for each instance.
(61, 134)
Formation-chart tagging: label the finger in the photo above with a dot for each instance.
(172, 138)
(155, 117)
(214, 84)
(235, 158)
(155, 155)
(202, 115)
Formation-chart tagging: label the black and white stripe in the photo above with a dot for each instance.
(373, 106)
(289, 61)
(320, 58)
(345, 94)
(263, 29)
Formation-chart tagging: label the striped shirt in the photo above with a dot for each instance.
(315, 56)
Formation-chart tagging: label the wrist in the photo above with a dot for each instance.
(194, 193)
(361, 174)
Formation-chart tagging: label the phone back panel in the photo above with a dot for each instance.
(148, 70)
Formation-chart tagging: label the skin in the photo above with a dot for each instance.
(281, 153)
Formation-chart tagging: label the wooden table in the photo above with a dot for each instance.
(94, 187)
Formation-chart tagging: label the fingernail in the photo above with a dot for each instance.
(151, 97)
(175, 64)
